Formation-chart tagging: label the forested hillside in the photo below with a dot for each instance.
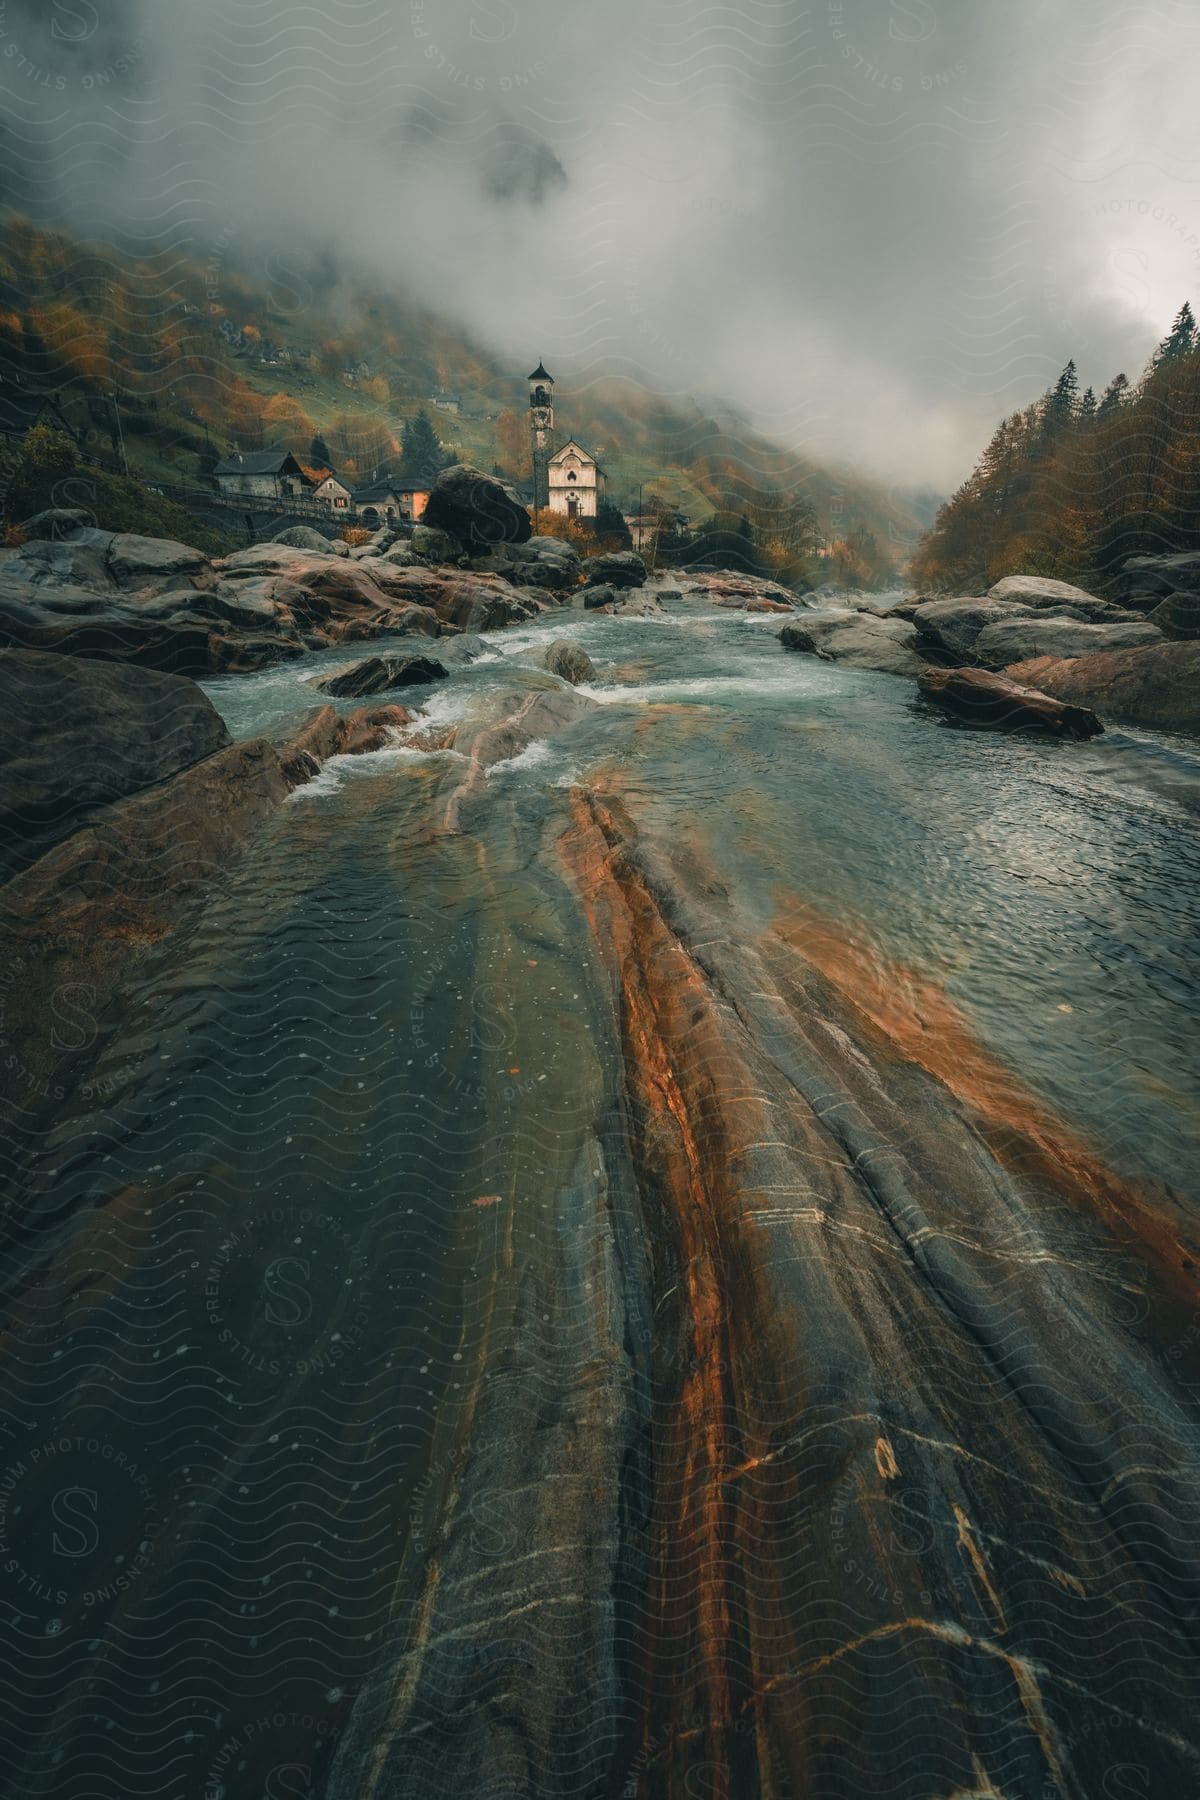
(170, 363)
(1075, 484)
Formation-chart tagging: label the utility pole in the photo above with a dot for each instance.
(120, 432)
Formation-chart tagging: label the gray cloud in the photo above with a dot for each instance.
(871, 225)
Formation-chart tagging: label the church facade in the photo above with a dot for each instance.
(576, 482)
(568, 481)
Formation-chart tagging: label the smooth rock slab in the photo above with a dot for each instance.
(77, 734)
(1156, 685)
(1017, 640)
(1040, 590)
(857, 639)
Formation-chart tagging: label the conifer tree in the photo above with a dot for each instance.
(1180, 340)
(421, 456)
(1113, 395)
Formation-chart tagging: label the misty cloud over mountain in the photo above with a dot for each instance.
(864, 223)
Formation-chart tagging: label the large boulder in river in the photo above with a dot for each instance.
(478, 509)
(1046, 634)
(993, 702)
(1041, 591)
(947, 629)
(78, 734)
(569, 662)
(378, 673)
(544, 562)
(618, 568)
(858, 639)
(1157, 685)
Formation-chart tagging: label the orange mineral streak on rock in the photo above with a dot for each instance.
(907, 1016)
(665, 1009)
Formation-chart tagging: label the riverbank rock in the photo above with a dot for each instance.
(302, 537)
(993, 702)
(617, 569)
(1046, 634)
(569, 662)
(435, 546)
(631, 604)
(947, 629)
(542, 562)
(743, 593)
(56, 522)
(1167, 590)
(163, 606)
(76, 735)
(477, 509)
(1041, 591)
(378, 673)
(861, 640)
(1156, 685)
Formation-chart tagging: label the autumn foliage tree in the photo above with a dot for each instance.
(1071, 486)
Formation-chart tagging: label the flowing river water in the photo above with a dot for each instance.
(650, 1255)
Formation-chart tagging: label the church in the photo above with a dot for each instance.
(568, 481)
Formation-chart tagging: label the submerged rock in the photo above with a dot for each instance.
(997, 703)
(477, 509)
(1154, 684)
(569, 662)
(858, 639)
(378, 673)
(372, 728)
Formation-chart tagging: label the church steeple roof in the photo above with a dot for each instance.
(541, 373)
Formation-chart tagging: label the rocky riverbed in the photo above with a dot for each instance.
(618, 1222)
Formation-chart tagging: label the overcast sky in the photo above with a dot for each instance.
(874, 225)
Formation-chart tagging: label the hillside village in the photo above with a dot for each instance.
(200, 397)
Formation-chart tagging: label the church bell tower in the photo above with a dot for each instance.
(541, 432)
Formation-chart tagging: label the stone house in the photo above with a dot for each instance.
(261, 475)
(386, 502)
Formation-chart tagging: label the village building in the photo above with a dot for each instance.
(576, 482)
(569, 481)
(334, 493)
(386, 502)
(261, 475)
